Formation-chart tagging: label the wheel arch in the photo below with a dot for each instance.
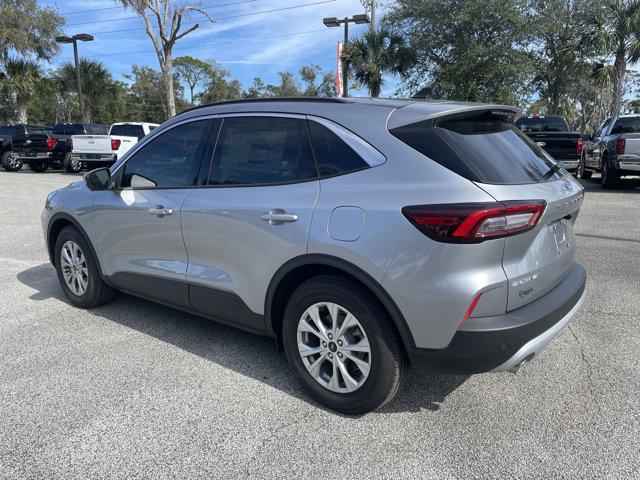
(56, 224)
(290, 275)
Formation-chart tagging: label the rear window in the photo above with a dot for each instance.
(11, 130)
(71, 129)
(626, 125)
(127, 131)
(532, 125)
(481, 149)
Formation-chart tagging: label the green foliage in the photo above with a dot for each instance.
(28, 29)
(613, 32)
(473, 50)
(194, 72)
(376, 53)
(20, 80)
(317, 83)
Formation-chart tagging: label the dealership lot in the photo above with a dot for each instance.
(137, 390)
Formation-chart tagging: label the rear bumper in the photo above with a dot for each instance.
(34, 155)
(570, 164)
(502, 342)
(92, 157)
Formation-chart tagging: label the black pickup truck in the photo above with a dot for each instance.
(552, 133)
(41, 150)
(8, 157)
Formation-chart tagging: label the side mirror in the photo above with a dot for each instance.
(98, 179)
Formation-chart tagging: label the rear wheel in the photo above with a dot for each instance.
(72, 164)
(610, 177)
(78, 271)
(342, 346)
(11, 162)
(38, 165)
(582, 172)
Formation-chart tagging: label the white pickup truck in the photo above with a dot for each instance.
(103, 150)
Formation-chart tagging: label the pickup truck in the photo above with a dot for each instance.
(42, 150)
(104, 150)
(8, 157)
(613, 150)
(553, 134)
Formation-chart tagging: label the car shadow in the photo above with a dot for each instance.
(248, 354)
(625, 185)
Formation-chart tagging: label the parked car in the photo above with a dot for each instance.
(365, 235)
(553, 134)
(613, 150)
(104, 150)
(42, 150)
(8, 157)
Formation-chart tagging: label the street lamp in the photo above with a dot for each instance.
(336, 22)
(83, 37)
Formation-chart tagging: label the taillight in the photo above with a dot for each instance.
(579, 146)
(475, 222)
(471, 308)
(51, 143)
(115, 143)
(620, 144)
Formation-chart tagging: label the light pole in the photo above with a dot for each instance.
(336, 22)
(83, 37)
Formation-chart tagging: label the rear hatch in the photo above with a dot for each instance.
(561, 145)
(485, 147)
(91, 143)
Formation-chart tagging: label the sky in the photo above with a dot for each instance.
(244, 38)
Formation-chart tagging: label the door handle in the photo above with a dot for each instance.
(160, 211)
(278, 216)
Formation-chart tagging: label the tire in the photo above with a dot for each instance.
(10, 161)
(72, 165)
(386, 360)
(96, 292)
(582, 172)
(609, 178)
(38, 166)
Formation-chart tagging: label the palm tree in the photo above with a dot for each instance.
(376, 53)
(96, 82)
(20, 79)
(614, 31)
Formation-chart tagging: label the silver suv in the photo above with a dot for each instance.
(366, 236)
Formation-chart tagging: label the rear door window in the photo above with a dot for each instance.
(482, 149)
(333, 155)
(262, 150)
(11, 130)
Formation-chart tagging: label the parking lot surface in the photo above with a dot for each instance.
(138, 390)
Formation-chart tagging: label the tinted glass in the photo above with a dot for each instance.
(262, 150)
(128, 131)
(626, 125)
(11, 130)
(169, 160)
(332, 154)
(35, 130)
(59, 129)
(483, 150)
(530, 125)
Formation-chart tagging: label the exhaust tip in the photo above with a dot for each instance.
(516, 368)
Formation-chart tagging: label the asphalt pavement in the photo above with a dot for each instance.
(137, 390)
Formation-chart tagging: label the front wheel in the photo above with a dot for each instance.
(342, 346)
(72, 164)
(78, 271)
(610, 177)
(11, 162)
(38, 165)
(582, 172)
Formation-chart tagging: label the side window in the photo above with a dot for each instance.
(262, 150)
(170, 160)
(333, 155)
(35, 130)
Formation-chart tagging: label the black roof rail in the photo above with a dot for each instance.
(270, 99)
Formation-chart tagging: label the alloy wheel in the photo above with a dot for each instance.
(74, 268)
(334, 347)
